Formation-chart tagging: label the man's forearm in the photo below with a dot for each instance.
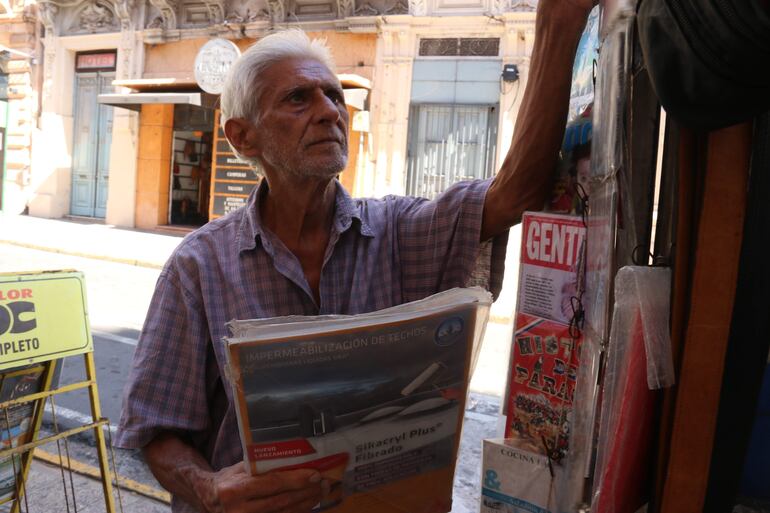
(526, 175)
(179, 468)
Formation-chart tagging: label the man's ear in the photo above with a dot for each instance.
(242, 135)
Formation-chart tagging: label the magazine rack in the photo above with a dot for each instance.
(43, 318)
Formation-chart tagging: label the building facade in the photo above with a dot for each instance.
(20, 82)
(423, 78)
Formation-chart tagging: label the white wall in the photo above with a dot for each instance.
(397, 49)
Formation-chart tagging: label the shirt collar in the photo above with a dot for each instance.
(346, 210)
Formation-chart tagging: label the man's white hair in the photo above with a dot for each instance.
(244, 84)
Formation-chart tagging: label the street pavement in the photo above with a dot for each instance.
(121, 267)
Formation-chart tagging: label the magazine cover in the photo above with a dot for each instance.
(374, 402)
(545, 355)
(515, 481)
(15, 423)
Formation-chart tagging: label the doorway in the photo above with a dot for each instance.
(190, 177)
(91, 144)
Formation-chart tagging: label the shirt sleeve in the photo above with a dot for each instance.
(439, 243)
(166, 389)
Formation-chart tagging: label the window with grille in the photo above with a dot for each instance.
(449, 143)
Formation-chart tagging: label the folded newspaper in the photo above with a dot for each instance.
(374, 402)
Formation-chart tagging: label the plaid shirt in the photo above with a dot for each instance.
(381, 253)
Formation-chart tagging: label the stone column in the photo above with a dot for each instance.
(122, 195)
(154, 163)
(517, 43)
(393, 70)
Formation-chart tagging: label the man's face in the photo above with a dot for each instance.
(303, 127)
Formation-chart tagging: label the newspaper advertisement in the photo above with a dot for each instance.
(376, 405)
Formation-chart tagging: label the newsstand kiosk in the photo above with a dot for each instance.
(640, 339)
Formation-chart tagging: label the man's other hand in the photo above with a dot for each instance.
(233, 490)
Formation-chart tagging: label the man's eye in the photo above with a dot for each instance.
(297, 97)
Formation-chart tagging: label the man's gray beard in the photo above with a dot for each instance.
(331, 170)
(310, 168)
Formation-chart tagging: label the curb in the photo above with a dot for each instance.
(95, 256)
(84, 469)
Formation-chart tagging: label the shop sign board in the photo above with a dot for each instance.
(213, 62)
(232, 178)
(96, 61)
(43, 316)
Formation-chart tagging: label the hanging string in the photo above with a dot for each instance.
(69, 466)
(114, 466)
(555, 453)
(18, 483)
(61, 459)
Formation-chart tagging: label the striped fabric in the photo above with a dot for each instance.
(382, 252)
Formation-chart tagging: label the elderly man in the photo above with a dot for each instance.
(303, 246)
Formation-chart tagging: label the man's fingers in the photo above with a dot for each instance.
(282, 481)
(295, 501)
(247, 487)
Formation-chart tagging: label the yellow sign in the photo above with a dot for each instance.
(43, 316)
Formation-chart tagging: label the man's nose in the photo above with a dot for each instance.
(326, 109)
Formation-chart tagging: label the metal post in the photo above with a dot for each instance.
(101, 446)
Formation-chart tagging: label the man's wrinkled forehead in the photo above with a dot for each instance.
(295, 71)
(282, 77)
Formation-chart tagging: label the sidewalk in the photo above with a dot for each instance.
(92, 240)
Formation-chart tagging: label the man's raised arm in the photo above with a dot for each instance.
(526, 175)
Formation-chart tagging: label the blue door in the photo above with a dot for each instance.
(91, 148)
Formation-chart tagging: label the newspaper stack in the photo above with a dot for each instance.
(374, 401)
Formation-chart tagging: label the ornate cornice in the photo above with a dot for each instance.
(418, 7)
(500, 6)
(123, 9)
(167, 10)
(345, 8)
(95, 16)
(277, 10)
(216, 10)
(524, 5)
(46, 13)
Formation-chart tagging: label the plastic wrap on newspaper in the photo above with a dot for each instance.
(614, 13)
(374, 402)
(600, 252)
(639, 362)
(583, 430)
(612, 84)
(573, 169)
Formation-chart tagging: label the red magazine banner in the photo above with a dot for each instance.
(552, 241)
(545, 354)
(284, 449)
